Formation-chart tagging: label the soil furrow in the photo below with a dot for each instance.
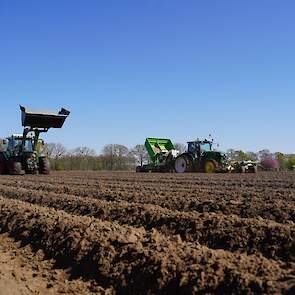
(216, 231)
(136, 261)
(279, 210)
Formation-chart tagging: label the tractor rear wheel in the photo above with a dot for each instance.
(253, 169)
(44, 166)
(183, 164)
(1, 167)
(243, 169)
(15, 167)
(139, 169)
(210, 166)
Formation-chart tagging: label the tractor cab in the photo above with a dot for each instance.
(198, 147)
(15, 144)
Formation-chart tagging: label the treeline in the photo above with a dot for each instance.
(117, 157)
(114, 157)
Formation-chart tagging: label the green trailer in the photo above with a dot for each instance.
(162, 153)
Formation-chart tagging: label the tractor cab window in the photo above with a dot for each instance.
(206, 147)
(15, 144)
(29, 146)
(192, 147)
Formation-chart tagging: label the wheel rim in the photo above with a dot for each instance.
(209, 167)
(180, 165)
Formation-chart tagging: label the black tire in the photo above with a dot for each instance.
(183, 164)
(15, 167)
(2, 167)
(210, 166)
(254, 169)
(243, 169)
(32, 165)
(138, 169)
(44, 166)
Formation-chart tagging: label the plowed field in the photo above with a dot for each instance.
(128, 233)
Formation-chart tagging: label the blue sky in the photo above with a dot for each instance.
(130, 69)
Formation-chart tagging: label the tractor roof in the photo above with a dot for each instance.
(201, 141)
(19, 136)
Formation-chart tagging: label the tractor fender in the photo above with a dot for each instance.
(188, 155)
(211, 160)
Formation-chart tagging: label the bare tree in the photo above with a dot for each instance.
(263, 154)
(239, 155)
(2, 147)
(54, 150)
(231, 154)
(117, 155)
(59, 150)
(115, 150)
(84, 152)
(180, 147)
(139, 153)
(252, 156)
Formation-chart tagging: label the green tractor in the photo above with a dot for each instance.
(162, 154)
(200, 157)
(21, 152)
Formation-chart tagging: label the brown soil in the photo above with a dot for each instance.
(23, 271)
(148, 233)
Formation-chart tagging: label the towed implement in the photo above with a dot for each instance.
(162, 154)
(21, 154)
(244, 166)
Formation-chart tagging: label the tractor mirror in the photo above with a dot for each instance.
(4, 141)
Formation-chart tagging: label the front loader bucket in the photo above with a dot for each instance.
(43, 119)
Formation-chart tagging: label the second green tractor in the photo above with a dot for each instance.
(199, 157)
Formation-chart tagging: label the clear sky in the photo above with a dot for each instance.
(130, 69)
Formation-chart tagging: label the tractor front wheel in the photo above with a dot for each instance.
(15, 167)
(183, 164)
(253, 169)
(139, 169)
(44, 166)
